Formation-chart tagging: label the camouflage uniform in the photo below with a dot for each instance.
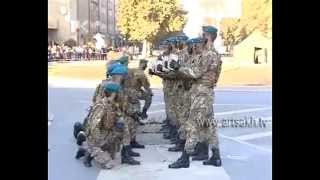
(103, 140)
(99, 92)
(200, 126)
(183, 102)
(131, 106)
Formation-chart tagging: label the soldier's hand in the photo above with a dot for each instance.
(151, 72)
(144, 115)
(159, 68)
(119, 125)
(174, 65)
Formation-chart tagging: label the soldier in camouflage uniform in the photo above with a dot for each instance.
(104, 131)
(136, 87)
(170, 89)
(183, 103)
(201, 126)
(99, 93)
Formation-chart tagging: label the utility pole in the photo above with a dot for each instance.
(89, 16)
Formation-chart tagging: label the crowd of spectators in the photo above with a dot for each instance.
(63, 52)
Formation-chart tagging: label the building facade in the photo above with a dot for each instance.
(81, 20)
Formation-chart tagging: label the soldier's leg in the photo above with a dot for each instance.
(191, 140)
(102, 158)
(147, 98)
(126, 132)
(212, 136)
(134, 127)
(126, 152)
(129, 133)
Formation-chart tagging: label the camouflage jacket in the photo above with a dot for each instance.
(203, 68)
(101, 121)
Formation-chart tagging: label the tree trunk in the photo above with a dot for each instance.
(144, 49)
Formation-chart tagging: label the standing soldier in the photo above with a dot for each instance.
(168, 89)
(139, 82)
(169, 83)
(183, 102)
(136, 87)
(200, 125)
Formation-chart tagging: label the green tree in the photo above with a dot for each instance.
(256, 15)
(148, 20)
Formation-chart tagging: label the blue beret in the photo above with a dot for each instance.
(124, 60)
(112, 66)
(209, 29)
(172, 40)
(119, 69)
(182, 38)
(195, 40)
(112, 87)
(164, 43)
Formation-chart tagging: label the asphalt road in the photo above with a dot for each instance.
(246, 151)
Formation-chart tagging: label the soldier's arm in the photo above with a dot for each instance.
(195, 71)
(219, 67)
(145, 83)
(95, 94)
(170, 75)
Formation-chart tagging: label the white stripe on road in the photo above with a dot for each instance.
(245, 143)
(156, 112)
(242, 111)
(50, 118)
(224, 113)
(254, 136)
(222, 104)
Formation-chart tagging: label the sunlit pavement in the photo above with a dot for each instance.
(246, 152)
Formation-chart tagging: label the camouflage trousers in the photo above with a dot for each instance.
(183, 111)
(146, 97)
(130, 124)
(103, 149)
(201, 127)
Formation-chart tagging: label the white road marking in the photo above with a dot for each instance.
(242, 111)
(244, 90)
(246, 143)
(223, 113)
(254, 136)
(156, 112)
(50, 118)
(222, 104)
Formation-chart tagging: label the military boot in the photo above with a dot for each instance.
(77, 127)
(202, 152)
(131, 153)
(126, 158)
(196, 150)
(174, 139)
(182, 162)
(171, 134)
(87, 160)
(178, 147)
(215, 159)
(144, 114)
(81, 137)
(135, 144)
(166, 135)
(80, 153)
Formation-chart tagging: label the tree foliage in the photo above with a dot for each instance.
(256, 15)
(142, 20)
